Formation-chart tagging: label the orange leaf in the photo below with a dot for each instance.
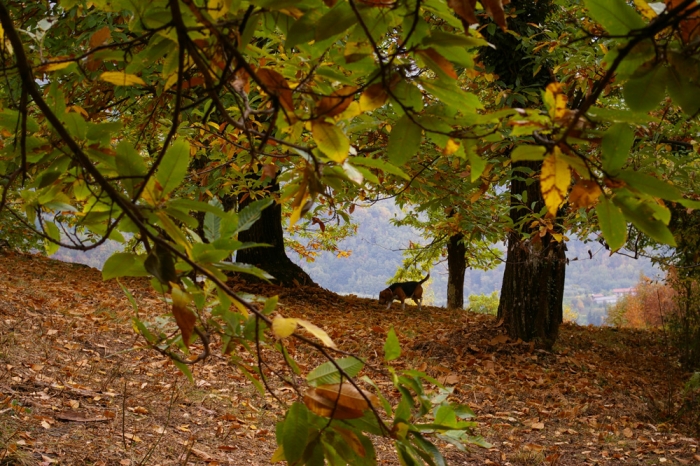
(184, 318)
(585, 193)
(464, 9)
(325, 407)
(347, 396)
(337, 102)
(277, 85)
(99, 36)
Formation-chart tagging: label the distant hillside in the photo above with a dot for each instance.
(376, 254)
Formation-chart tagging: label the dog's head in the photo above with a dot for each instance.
(386, 296)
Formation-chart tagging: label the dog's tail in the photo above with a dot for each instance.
(425, 279)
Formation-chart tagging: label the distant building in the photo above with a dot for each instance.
(602, 299)
(624, 291)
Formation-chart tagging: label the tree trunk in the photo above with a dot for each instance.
(272, 259)
(456, 266)
(532, 294)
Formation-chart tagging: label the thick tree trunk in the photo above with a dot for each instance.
(456, 266)
(532, 294)
(273, 259)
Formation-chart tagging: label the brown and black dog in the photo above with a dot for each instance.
(403, 291)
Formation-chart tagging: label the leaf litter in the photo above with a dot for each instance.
(78, 386)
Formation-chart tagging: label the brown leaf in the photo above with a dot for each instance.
(336, 103)
(347, 396)
(495, 11)
(464, 9)
(324, 407)
(74, 416)
(277, 85)
(99, 36)
(184, 318)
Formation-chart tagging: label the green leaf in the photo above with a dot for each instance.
(326, 373)
(130, 166)
(55, 234)
(650, 185)
(612, 223)
(623, 116)
(445, 39)
(392, 348)
(244, 268)
(433, 454)
(404, 141)
(124, 264)
(616, 16)
(643, 92)
(173, 168)
(528, 152)
(75, 124)
(335, 22)
(616, 146)
(331, 141)
(185, 369)
(295, 432)
(251, 214)
(684, 93)
(644, 217)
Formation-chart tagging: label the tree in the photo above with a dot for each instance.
(103, 117)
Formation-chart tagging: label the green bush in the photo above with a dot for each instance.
(483, 303)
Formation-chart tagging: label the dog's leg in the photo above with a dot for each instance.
(419, 301)
(389, 305)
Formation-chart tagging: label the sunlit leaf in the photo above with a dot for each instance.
(119, 78)
(554, 181)
(283, 327)
(331, 141)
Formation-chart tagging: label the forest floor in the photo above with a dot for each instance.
(79, 387)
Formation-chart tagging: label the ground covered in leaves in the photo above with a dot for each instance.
(78, 386)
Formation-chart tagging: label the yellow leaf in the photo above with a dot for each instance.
(278, 455)
(282, 327)
(119, 78)
(317, 332)
(54, 66)
(451, 147)
(373, 97)
(331, 141)
(554, 181)
(644, 8)
(241, 308)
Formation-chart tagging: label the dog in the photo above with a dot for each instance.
(403, 291)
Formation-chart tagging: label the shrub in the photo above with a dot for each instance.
(484, 304)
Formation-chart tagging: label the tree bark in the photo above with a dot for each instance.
(532, 292)
(456, 266)
(272, 259)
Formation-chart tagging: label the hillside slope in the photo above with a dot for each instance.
(78, 387)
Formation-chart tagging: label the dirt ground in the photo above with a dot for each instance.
(78, 386)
